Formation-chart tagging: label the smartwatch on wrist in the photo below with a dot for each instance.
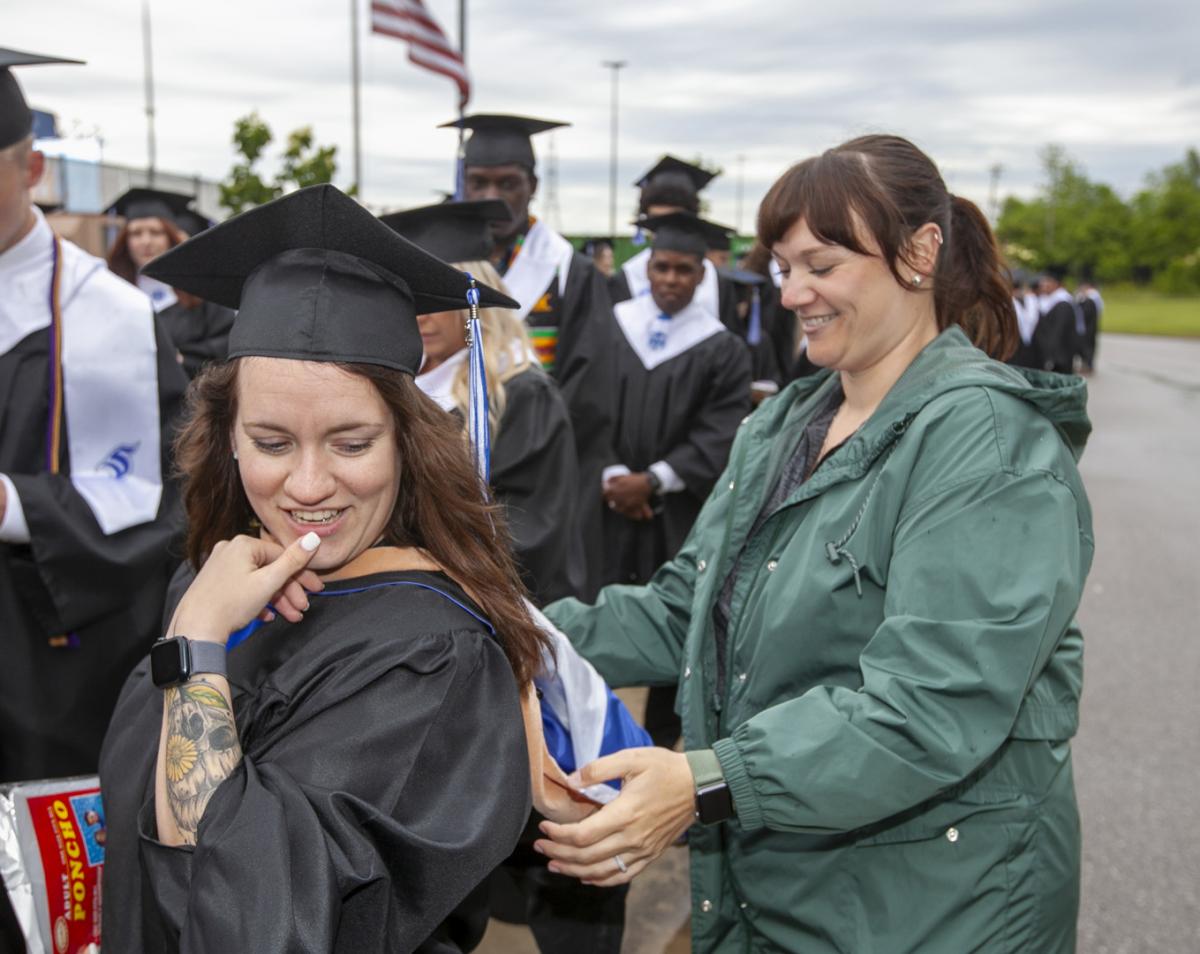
(175, 660)
(714, 802)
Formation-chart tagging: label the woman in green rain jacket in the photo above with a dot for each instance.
(871, 624)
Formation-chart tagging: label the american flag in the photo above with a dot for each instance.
(427, 44)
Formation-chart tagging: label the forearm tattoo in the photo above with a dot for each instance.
(202, 750)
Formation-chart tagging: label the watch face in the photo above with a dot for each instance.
(168, 662)
(714, 804)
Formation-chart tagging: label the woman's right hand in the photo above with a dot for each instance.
(242, 576)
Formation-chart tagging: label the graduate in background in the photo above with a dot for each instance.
(534, 474)
(1059, 326)
(683, 387)
(673, 185)
(156, 221)
(784, 343)
(87, 516)
(1029, 313)
(563, 298)
(1091, 305)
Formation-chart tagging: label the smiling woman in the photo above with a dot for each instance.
(871, 621)
(327, 750)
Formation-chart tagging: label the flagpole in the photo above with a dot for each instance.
(354, 83)
(460, 173)
(148, 67)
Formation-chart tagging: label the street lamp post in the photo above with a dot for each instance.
(616, 66)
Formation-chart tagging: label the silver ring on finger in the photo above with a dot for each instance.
(621, 866)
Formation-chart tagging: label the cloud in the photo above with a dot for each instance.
(977, 85)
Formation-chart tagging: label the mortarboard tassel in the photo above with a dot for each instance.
(754, 332)
(639, 237)
(477, 418)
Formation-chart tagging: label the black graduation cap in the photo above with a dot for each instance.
(684, 232)
(453, 231)
(16, 119)
(742, 276)
(674, 171)
(498, 139)
(143, 203)
(315, 276)
(193, 222)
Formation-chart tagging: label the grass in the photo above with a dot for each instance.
(1140, 312)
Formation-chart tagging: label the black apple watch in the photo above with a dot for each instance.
(176, 660)
(713, 803)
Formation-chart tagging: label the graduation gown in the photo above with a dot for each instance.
(100, 532)
(565, 303)
(771, 356)
(680, 404)
(1055, 337)
(534, 475)
(385, 773)
(200, 335)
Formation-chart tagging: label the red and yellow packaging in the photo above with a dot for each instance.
(52, 837)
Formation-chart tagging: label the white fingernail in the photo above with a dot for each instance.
(310, 541)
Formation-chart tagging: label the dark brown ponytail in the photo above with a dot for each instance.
(892, 189)
(969, 287)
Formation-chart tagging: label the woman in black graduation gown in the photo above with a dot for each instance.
(199, 329)
(534, 469)
(343, 770)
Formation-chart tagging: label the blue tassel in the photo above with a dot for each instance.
(477, 417)
(754, 332)
(639, 237)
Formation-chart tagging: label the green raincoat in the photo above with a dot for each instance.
(902, 670)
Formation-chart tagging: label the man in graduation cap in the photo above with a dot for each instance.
(683, 387)
(87, 392)
(673, 185)
(563, 298)
(156, 221)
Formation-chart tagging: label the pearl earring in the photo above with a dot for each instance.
(916, 280)
(235, 456)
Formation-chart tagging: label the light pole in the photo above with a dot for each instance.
(148, 84)
(616, 66)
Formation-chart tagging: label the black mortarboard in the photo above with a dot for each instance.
(316, 277)
(453, 231)
(684, 232)
(668, 169)
(498, 139)
(16, 119)
(742, 276)
(143, 203)
(193, 222)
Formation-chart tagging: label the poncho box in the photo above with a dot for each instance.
(52, 859)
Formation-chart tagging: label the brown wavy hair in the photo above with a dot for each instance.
(893, 188)
(120, 262)
(440, 507)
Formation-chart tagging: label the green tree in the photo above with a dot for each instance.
(1074, 222)
(302, 164)
(1166, 227)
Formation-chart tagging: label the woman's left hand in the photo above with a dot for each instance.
(657, 804)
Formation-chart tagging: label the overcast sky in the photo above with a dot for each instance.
(976, 83)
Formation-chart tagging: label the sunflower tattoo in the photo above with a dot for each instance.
(202, 749)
